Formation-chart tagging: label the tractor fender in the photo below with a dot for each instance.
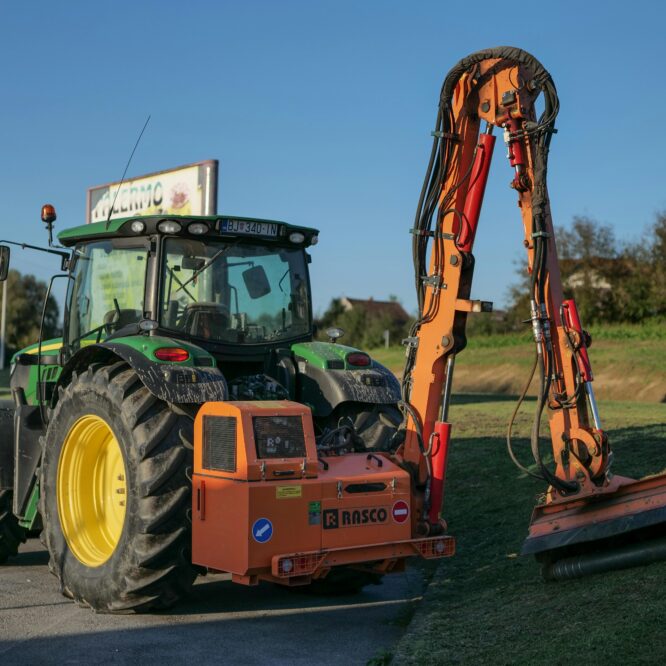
(324, 389)
(170, 382)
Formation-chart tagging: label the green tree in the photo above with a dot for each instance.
(610, 282)
(588, 258)
(25, 299)
(658, 262)
(330, 318)
(589, 261)
(361, 329)
(586, 240)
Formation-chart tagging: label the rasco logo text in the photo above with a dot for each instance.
(357, 517)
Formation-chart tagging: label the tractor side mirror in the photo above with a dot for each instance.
(4, 262)
(256, 282)
(334, 333)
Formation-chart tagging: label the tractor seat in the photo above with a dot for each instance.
(114, 320)
(206, 320)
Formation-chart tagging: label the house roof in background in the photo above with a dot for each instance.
(392, 309)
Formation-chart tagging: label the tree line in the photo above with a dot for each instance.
(611, 281)
(25, 300)
(362, 329)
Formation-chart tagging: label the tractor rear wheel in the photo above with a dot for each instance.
(116, 493)
(11, 533)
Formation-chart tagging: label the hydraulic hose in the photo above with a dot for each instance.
(512, 420)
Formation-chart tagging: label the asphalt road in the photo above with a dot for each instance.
(221, 623)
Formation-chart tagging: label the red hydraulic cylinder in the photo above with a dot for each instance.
(477, 186)
(572, 322)
(516, 151)
(438, 456)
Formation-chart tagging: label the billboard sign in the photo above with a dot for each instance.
(185, 190)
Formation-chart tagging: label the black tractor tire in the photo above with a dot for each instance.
(376, 425)
(150, 565)
(12, 535)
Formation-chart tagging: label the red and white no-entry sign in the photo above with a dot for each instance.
(400, 511)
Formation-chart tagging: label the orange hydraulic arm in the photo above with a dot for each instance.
(496, 88)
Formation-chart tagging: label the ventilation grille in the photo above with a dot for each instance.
(219, 443)
(279, 436)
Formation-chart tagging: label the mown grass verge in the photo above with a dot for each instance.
(629, 362)
(486, 605)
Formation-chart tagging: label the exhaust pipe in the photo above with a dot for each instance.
(637, 554)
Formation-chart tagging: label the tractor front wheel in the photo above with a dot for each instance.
(116, 494)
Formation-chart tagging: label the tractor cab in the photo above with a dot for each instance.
(236, 287)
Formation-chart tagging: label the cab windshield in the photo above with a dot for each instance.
(234, 293)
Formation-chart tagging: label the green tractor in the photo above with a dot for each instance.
(162, 314)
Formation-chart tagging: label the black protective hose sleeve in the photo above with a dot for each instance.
(543, 79)
(632, 555)
(541, 75)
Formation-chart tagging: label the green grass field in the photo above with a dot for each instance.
(486, 605)
(629, 362)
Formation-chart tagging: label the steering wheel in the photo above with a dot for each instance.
(205, 320)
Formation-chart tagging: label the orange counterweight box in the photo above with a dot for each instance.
(266, 507)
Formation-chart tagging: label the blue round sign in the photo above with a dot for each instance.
(262, 530)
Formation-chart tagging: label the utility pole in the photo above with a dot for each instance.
(3, 321)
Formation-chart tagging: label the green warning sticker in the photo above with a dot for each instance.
(314, 513)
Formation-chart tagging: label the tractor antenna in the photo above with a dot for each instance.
(122, 180)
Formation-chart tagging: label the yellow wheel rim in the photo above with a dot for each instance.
(91, 490)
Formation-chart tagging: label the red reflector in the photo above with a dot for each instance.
(358, 358)
(173, 354)
(444, 546)
(303, 564)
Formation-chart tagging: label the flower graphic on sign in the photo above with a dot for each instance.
(180, 199)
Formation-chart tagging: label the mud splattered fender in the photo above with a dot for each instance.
(170, 382)
(325, 389)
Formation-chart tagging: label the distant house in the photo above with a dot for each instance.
(390, 309)
(592, 272)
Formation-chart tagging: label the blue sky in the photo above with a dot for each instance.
(320, 114)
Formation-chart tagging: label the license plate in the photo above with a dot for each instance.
(249, 227)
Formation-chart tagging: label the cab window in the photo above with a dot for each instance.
(234, 293)
(107, 291)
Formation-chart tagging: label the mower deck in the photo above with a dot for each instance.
(613, 516)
